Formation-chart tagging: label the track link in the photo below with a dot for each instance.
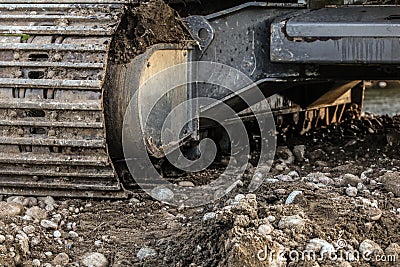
(53, 58)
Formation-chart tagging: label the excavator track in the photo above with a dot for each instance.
(53, 58)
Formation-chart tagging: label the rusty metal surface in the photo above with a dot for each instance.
(52, 69)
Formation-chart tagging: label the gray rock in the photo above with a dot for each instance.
(2, 238)
(391, 183)
(316, 177)
(145, 252)
(294, 174)
(394, 250)
(94, 260)
(73, 234)
(30, 202)
(325, 180)
(61, 259)
(186, 184)
(209, 216)
(57, 234)
(350, 179)
(48, 224)
(49, 202)
(369, 247)
(280, 167)
(351, 191)
(36, 213)
(239, 197)
(299, 152)
(36, 263)
(374, 213)
(265, 229)
(29, 229)
(10, 209)
(284, 178)
(285, 155)
(16, 199)
(320, 245)
(294, 221)
(292, 196)
(162, 194)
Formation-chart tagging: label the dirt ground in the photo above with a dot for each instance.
(335, 211)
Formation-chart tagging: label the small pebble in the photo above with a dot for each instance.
(73, 234)
(351, 191)
(209, 216)
(61, 259)
(265, 229)
(94, 260)
(29, 229)
(145, 253)
(48, 224)
(57, 234)
(36, 263)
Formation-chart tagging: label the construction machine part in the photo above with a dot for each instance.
(69, 70)
(62, 100)
(52, 69)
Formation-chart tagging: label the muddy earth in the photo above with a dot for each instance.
(332, 198)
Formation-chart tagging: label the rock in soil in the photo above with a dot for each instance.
(94, 260)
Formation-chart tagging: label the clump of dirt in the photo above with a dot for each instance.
(144, 25)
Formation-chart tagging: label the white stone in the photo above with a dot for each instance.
(162, 194)
(48, 224)
(292, 196)
(29, 229)
(209, 216)
(73, 234)
(145, 253)
(294, 221)
(186, 184)
(36, 263)
(94, 260)
(351, 191)
(57, 234)
(265, 229)
(368, 247)
(320, 245)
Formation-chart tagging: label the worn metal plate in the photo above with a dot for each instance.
(347, 35)
(352, 21)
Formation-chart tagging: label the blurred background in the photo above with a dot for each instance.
(382, 97)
